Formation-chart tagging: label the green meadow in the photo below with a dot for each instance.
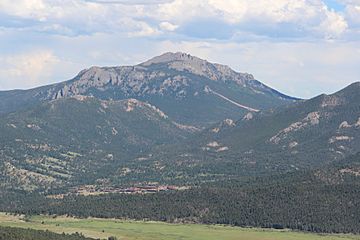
(131, 230)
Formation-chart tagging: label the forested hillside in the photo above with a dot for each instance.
(78, 139)
(323, 200)
(9, 233)
(300, 136)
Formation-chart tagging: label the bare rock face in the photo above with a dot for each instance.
(170, 57)
(331, 101)
(341, 98)
(147, 79)
(99, 76)
(185, 62)
(248, 116)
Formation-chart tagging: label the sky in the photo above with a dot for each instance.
(300, 47)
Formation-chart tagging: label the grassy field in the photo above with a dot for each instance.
(131, 230)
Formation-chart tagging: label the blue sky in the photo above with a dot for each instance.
(300, 47)
(336, 5)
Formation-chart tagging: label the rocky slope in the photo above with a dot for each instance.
(304, 135)
(78, 138)
(190, 90)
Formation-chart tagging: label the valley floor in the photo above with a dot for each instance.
(130, 230)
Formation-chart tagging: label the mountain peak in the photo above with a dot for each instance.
(180, 61)
(174, 82)
(346, 96)
(352, 87)
(171, 57)
(349, 92)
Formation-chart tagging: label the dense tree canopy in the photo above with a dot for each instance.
(8, 233)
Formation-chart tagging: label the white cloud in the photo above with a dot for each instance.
(311, 16)
(28, 69)
(281, 41)
(277, 11)
(25, 8)
(71, 17)
(333, 25)
(356, 2)
(353, 14)
(166, 26)
(139, 28)
(302, 69)
(130, 2)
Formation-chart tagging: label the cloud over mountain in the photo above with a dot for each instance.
(101, 32)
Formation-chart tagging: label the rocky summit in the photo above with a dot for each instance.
(177, 83)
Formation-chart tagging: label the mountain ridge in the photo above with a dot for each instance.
(303, 135)
(174, 82)
(78, 138)
(245, 128)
